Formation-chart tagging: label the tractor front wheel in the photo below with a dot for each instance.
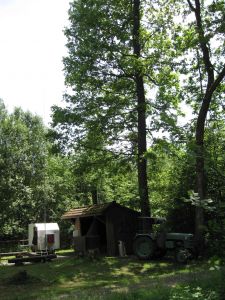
(182, 255)
(144, 247)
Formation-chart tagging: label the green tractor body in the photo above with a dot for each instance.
(150, 244)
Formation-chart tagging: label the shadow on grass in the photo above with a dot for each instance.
(72, 275)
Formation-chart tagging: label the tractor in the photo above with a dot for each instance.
(152, 241)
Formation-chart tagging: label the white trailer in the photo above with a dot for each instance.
(44, 236)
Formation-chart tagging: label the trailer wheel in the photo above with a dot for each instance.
(144, 247)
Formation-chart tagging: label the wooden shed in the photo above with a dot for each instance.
(102, 226)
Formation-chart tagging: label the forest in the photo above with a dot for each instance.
(142, 124)
(141, 128)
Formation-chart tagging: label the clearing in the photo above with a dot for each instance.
(69, 277)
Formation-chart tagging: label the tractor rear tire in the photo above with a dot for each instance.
(144, 247)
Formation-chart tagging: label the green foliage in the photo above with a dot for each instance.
(32, 182)
(22, 160)
(102, 174)
(195, 200)
(215, 234)
(188, 293)
(100, 70)
(99, 47)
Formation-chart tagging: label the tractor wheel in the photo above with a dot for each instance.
(144, 247)
(182, 255)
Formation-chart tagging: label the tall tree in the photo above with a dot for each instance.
(104, 43)
(141, 109)
(110, 70)
(209, 26)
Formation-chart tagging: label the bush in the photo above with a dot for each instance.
(189, 293)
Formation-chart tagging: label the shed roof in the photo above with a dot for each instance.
(87, 211)
(94, 210)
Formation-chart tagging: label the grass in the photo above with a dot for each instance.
(106, 278)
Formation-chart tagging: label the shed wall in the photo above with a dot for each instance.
(120, 226)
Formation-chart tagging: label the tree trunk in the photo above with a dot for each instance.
(141, 107)
(200, 178)
(94, 196)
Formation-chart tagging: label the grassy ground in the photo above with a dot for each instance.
(109, 278)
